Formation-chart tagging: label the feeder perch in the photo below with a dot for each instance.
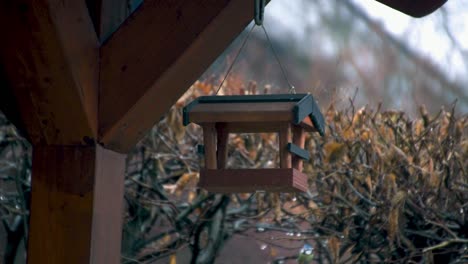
(290, 115)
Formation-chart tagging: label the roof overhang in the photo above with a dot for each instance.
(414, 8)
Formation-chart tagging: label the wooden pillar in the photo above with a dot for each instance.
(284, 139)
(209, 140)
(298, 140)
(222, 137)
(77, 203)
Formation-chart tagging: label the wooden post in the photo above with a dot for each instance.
(284, 139)
(209, 140)
(77, 203)
(223, 137)
(298, 140)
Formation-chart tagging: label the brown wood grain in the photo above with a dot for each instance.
(209, 141)
(158, 52)
(298, 139)
(49, 53)
(242, 112)
(250, 180)
(222, 143)
(284, 139)
(76, 209)
(253, 117)
(108, 206)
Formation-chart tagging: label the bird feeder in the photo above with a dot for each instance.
(289, 115)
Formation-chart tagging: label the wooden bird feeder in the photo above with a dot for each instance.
(290, 115)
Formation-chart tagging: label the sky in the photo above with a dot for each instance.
(423, 34)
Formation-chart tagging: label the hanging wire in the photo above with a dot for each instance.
(235, 59)
(259, 8)
(292, 89)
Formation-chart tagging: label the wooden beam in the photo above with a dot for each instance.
(153, 58)
(251, 180)
(76, 210)
(49, 53)
(284, 136)
(209, 141)
(222, 140)
(298, 139)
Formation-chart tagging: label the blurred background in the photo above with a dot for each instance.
(343, 52)
(358, 48)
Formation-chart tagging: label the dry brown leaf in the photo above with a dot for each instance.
(349, 134)
(173, 259)
(359, 116)
(312, 205)
(327, 199)
(418, 128)
(431, 176)
(334, 151)
(399, 154)
(334, 246)
(365, 135)
(386, 133)
(393, 223)
(204, 87)
(174, 121)
(184, 180)
(369, 184)
(398, 199)
(260, 201)
(191, 196)
(276, 203)
(273, 252)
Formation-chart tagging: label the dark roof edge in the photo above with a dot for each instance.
(305, 106)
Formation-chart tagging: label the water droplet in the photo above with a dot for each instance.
(461, 211)
(298, 234)
(341, 236)
(294, 199)
(2, 198)
(260, 229)
(263, 247)
(290, 234)
(17, 206)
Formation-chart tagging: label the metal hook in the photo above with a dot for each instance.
(259, 10)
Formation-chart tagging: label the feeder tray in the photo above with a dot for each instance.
(290, 115)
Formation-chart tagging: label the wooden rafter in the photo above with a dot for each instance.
(158, 53)
(50, 57)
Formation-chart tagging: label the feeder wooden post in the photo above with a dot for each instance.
(222, 137)
(284, 139)
(298, 139)
(209, 140)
